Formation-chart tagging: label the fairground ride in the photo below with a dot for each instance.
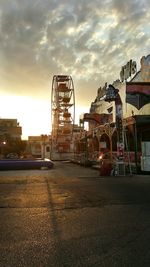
(62, 117)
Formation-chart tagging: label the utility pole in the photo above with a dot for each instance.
(112, 94)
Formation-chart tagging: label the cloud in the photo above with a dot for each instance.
(89, 40)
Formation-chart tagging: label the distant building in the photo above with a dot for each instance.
(10, 137)
(10, 129)
(39, 146)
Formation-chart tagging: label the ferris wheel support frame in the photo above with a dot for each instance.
(62, 114)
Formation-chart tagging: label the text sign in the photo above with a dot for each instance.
(127, 70)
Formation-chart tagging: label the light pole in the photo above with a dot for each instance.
(43, 145)
(112, 94)
(2, 144)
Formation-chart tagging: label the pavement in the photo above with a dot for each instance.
(71, 216)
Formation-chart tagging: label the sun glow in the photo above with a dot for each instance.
(32, 114)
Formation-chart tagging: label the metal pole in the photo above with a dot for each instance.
(135, 144)
(112, 94)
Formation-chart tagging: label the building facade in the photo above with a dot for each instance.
(38, 146)
(134, 92)
(10, 128)
(10, 138)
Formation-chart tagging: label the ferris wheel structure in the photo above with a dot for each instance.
(62, 116)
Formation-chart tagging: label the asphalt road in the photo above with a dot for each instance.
(71, 216)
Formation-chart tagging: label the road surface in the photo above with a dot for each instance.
(70, 216)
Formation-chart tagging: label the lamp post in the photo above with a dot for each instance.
(43, 145)
(112, 94)
(2, 144)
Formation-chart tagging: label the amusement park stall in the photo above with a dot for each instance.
(122, 128)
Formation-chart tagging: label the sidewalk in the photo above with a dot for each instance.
(133, 174)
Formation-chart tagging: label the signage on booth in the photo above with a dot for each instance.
(145, 68)
(127, 70)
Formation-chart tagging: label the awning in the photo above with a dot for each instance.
(138, 94)
(140, 120)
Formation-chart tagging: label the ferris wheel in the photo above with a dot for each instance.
(62, 113)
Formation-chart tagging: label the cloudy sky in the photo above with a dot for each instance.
(89, 40)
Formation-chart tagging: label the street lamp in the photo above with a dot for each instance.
(2, 144)
(112, 94)
(43, 145)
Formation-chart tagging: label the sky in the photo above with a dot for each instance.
(89, 40)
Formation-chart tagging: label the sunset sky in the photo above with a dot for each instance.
(89, 40)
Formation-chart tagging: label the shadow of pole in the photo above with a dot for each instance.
(58, 243)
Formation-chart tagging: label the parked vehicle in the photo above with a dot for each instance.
(12, 156)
